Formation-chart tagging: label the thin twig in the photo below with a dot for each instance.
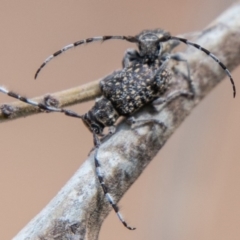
(79, 209)
(64, 98)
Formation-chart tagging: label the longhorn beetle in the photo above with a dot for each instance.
(143, 78)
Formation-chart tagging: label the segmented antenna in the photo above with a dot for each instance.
(42, 106)
(159, 33)
(78, 43)
(104, 187)
(167, 38)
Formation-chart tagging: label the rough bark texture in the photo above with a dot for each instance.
(79, 209)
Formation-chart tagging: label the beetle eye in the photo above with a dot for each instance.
(95, 128)
(158, 48)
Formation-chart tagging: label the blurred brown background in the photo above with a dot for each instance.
(191, 190)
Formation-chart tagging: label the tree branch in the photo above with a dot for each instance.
(79, 209)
